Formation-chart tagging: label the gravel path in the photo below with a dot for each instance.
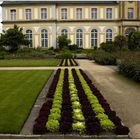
(122, 94)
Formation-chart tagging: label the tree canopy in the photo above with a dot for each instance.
(13, 38)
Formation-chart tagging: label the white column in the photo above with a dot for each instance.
(72, 38)
(36, 13)
(87, 41)
(71, 13)
(101, 38)
(116, 13)
(6, 14)
(20, 14)
(101, 13)
(36, 41)
(53, 12)
(86, 13)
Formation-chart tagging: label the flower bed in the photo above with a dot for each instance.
(75, 105)
(68, 62)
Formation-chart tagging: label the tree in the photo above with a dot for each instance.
(120, 41)
(63, 41)
(13, 38)
(134, 40)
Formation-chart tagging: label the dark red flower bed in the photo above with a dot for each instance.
(92, 122)
(72, 62)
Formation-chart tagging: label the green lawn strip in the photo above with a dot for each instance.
(18, 92)
(29, 62)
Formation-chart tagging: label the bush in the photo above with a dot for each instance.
(64, 55)
(104, 58)
(130, 66)
(108, 47)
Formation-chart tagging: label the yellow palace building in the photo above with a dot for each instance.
(86, 23)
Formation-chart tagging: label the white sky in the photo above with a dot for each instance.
(0, 19)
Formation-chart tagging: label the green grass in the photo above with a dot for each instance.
(29, 62)
(18, 92)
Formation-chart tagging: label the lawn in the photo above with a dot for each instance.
(18, 92)
(29, 62)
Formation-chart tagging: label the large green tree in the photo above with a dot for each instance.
(120, 41)
(13, 38)
(63, 41)
(134, 40)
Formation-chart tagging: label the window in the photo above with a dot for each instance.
(108, 35)
(79, 13)
(29, 37)
(28, 14)
(94, 38)
(79, 38)
(93, 13)
(64, 32)
(63, 13)
(44, 38)
(13, 14)
(128, 31)
(43, 13)
(130, 13)
(109, 13)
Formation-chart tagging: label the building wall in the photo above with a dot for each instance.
(54, 24)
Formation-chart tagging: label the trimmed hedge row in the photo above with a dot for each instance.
(130, 66)
(104, 58)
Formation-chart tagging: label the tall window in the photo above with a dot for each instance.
(94, 38)
(109, 13)
(93, 13)
(28, 14)
(43, 13)
(44, 38)
(64, 32)
(79, 13)
(13, 14)
(108, 35)
(64, 13)
(79, 38)
(130, 13)
(29, 37)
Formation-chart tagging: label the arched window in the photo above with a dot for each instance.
(79, 38)
(94, 38)
(29, 37)
(44, 38)
(108, 35)
(128, 31)
(64, 32)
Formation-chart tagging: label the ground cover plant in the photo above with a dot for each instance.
(68, 62)
(29, 62)
(18, 92)
(75, 105)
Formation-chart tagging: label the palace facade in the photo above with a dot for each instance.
(86, 23)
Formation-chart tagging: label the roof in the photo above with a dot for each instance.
(14, 3)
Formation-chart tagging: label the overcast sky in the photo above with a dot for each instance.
(0, 18)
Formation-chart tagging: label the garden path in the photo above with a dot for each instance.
(122, 93)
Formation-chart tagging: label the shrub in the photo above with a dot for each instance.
(130, 66)
(104, 58)
(52, 125)
(108, 47)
